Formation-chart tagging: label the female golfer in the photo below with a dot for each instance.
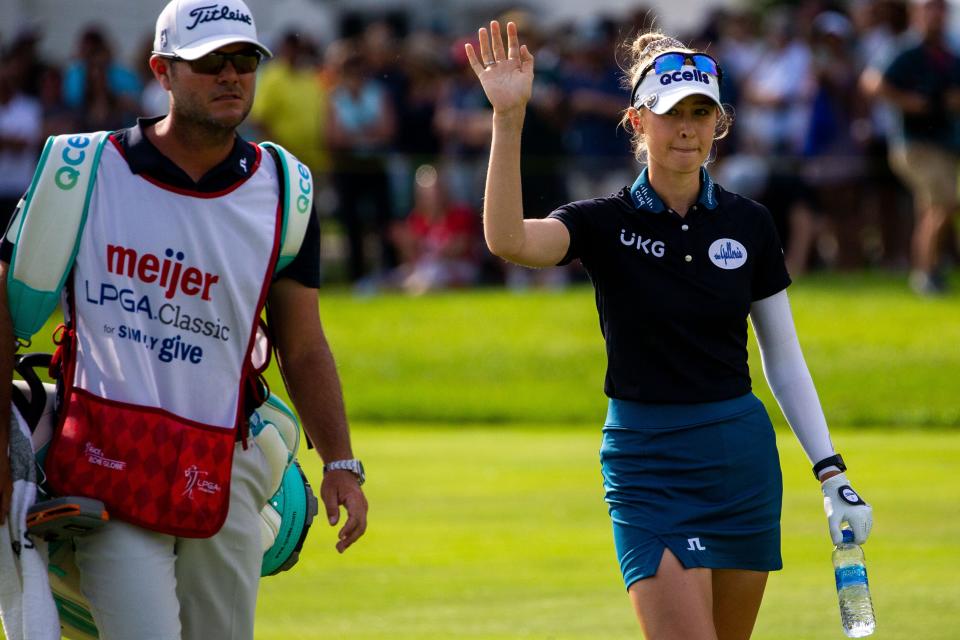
(689, 458)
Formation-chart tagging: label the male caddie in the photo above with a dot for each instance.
(177, 259)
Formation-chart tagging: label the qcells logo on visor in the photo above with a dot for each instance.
(684, 76)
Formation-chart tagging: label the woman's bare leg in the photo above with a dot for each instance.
(676, 603)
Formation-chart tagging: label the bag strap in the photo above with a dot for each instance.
(296, 189)
(47, 227)
(31, 408)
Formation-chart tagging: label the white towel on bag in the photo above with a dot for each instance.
(26, 602)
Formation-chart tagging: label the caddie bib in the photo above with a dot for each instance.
(164, 302)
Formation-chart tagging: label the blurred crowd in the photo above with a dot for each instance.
(396, 127)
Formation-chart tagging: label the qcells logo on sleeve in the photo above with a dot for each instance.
(727, 253)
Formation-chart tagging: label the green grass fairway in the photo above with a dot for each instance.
(494, 532)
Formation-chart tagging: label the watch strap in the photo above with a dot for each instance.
(353, 465)
(832, 461)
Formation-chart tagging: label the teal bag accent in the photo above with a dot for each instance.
(289, 513)
(298, 197)
(48, 227)
(297, 506)
(76, 620)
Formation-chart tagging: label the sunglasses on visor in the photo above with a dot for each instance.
(674, 61)
(213, 63)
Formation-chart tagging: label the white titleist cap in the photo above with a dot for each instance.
(660, 93)
(191, 29)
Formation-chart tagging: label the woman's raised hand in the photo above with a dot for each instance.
(506, 76)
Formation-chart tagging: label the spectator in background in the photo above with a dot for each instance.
(833, 153)
(739, 45)
(154, 99)
(777, 92)
(57, 116)
(20, 129)
(93, 52)
(382, 45)
(23, 57)
(885, 199)
(417, 141)
(292, 102)
(102, 109)
(424, 70)
(361, 125)
(591, 81)
(463, 122)
(438, 242)
(774, 120)
(923, 83)
(543, 165)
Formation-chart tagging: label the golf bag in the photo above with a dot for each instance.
(284, 520)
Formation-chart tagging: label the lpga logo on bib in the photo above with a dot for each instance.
(727, 253)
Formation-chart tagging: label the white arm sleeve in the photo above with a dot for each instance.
(788, 376)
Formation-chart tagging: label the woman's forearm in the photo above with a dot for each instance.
(502, 202)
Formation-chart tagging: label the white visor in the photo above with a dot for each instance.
(660, 93)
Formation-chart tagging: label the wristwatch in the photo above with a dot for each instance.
(832, 461)
(352, 465)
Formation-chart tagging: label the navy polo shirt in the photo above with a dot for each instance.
(145, 159)
(673, 293)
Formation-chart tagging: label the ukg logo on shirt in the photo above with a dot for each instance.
(647, 245)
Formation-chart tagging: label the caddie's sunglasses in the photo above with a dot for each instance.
(674, 61)
(213, 63)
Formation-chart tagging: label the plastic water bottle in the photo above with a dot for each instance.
(856, 609)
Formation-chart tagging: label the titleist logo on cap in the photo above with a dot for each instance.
(215, 12)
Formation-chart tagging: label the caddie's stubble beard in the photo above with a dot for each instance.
(192, 112)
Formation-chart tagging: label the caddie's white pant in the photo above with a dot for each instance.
(143, 585)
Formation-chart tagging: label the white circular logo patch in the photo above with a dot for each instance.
(727, 253)
(850, 495)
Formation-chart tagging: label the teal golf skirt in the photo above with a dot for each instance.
(702, 480)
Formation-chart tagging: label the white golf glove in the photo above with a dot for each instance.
(842, 504)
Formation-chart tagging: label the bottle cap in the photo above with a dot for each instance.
(847, 535)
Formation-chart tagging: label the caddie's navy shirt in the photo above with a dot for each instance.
(673, 293)
(145, 159)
